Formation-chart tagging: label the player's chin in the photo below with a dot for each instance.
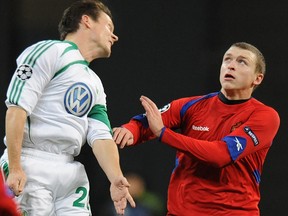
(106, 53)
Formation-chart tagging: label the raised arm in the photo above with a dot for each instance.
(232, 147)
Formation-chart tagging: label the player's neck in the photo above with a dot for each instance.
(236, 94)
(83, 45)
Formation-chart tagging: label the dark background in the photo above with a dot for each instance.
(166, 50)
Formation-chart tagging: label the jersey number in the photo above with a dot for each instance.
(79, 202)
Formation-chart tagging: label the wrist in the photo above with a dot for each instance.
(161, 132)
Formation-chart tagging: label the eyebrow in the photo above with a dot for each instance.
(241, 56)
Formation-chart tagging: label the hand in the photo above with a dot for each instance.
(16, 181)
(122, 137)
(153, 115)
(120, 194)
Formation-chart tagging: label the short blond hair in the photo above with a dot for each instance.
(260, 60)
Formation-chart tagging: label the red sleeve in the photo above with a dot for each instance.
(259, 131)
(215, 152)
(170, 113)
(255, 134)
(140, 133)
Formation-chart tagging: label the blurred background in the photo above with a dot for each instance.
(166, 50)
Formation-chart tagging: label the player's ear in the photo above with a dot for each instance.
(258, 79)
(85, 20)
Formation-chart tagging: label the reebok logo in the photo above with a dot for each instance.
(200, 128)
(238, 144)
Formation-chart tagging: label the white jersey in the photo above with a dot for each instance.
(64, 99)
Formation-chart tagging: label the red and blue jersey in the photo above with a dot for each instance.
(221, 147)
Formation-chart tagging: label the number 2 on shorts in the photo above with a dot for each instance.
(79, 202)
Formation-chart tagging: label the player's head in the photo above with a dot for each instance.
(242, 69)
(72, 15)
(260, 60)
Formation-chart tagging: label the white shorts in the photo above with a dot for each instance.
(56, 185)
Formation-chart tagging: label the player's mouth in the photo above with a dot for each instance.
(229, 76)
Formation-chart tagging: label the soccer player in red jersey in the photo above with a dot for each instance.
(223, 143)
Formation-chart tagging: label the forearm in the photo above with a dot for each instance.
(107, 155)
(215, 153)
(15, 121)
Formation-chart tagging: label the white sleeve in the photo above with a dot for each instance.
(35, 69)
(98, 122)
(97, 130)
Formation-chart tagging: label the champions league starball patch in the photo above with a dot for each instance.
(24, 72)
(165, 108)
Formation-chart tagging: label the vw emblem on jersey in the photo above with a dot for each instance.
(78, 99)
(24, 72)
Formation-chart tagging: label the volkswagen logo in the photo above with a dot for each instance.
(78, 99)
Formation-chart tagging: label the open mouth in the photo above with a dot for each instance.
(229, 76)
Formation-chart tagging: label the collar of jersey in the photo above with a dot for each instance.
(225, 100)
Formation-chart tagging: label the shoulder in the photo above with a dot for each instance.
(183, 104)
(36, 50)
(266, 111)
(260, 105)
(194, 99)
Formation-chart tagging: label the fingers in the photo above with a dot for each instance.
(120, 194)
(120, 206)
(149, 106)
(16, 181)
(17, 186)
(148, 101)
(131, 201)
(122, 137)
(153, 115)
(21, 185)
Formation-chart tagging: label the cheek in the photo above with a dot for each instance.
(247, 80)
(222, 71)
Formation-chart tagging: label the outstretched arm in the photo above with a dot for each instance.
(107, 155)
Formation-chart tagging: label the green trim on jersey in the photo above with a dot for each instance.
(16, 91)
(38, 51)
(72, 47)
(29, 60)
(68, 65)
(5, 167)
(69, 49)
(99, 112)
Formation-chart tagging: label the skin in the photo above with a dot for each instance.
(15, 121)
(237, 74)
(94, 40)
(238, 78)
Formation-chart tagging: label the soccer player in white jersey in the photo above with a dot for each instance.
(55, 104)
